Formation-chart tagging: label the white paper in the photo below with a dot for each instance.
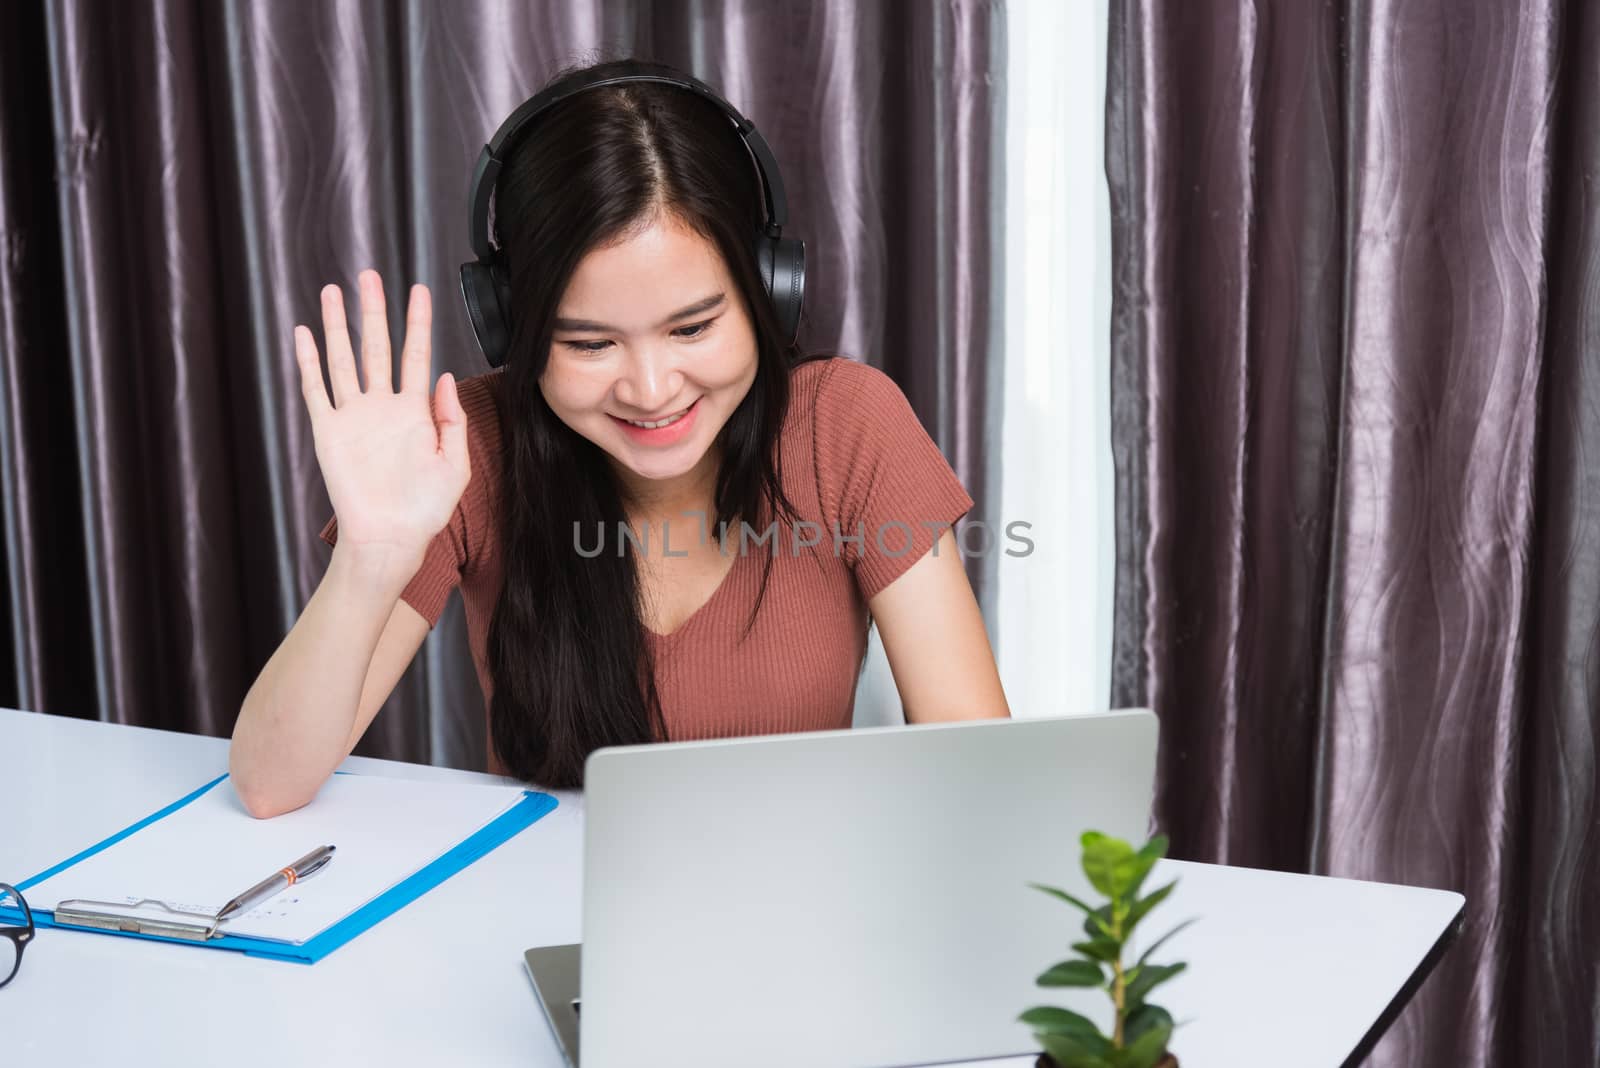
(211, 850)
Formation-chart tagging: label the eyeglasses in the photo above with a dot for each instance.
(13, 940)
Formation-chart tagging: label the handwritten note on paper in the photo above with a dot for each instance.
(210, 850)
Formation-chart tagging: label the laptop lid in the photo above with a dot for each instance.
(844, 897)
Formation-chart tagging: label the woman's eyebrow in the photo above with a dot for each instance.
(703, 305)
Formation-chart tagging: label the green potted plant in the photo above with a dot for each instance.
(1140, 1030)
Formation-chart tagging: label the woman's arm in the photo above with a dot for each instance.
(319, 692)
(934, 638)
(395, 467)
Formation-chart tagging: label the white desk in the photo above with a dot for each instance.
(441, 982)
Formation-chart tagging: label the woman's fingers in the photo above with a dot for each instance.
(311, 387)
(341, 359)
(415, 356)
(376, 358)
(451, 420)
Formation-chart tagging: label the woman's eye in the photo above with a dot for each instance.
(688, 333)
(699, 330)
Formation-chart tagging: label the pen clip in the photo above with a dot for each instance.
(315, 866)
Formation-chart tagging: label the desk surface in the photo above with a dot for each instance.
(1282, 965)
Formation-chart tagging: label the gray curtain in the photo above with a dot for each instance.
(1356, 412)
(179, 177)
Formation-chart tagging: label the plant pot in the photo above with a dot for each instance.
(1047, 1061)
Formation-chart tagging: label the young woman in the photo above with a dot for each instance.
(664, 523)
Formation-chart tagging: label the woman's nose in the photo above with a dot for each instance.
(650, 379)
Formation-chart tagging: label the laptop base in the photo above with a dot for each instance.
(555, 971)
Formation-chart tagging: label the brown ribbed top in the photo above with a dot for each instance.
(854, 461)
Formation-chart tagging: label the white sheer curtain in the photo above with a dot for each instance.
(1055, 605)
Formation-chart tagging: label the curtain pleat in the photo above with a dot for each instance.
(1356, 334)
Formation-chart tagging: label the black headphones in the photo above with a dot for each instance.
(484, 282)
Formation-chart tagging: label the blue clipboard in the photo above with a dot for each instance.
(529, 810)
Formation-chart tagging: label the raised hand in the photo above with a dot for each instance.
(393, 468)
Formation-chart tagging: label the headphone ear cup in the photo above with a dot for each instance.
(783, 271)
(487, 294)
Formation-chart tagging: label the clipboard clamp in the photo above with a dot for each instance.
(111, 916)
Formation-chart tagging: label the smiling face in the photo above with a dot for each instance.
(652, 330)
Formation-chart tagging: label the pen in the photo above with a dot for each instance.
(277, 882)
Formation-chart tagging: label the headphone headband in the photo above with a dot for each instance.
(485, 288)
(490, 160)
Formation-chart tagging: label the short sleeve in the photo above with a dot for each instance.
(885, 487)
(440, 572)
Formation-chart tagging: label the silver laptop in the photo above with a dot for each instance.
(853, 897)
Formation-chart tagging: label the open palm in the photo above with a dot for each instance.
(394, 468)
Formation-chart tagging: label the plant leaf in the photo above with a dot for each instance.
(1131, 873)
(1147, 979)
(1063, 895)
(1142, 906)
(1101, 949)
(1073, 973)
(1049, 1020)
(1098, 924)
(1156, 847)
(1126, 875)
(1157, 943)
(1101, 855)
(1148, 1048)
(1070, 1053)
(1143, 1019)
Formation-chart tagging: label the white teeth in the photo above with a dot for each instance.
(668, 421)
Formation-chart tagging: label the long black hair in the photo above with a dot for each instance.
(567, 650)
